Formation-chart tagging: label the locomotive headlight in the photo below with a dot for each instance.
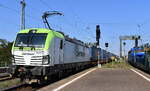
(45, 59)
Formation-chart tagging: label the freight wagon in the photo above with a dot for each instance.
(104, 56)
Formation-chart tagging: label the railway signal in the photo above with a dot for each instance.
(106, 44)
(97, 44)
(132, 37)
(97, 34)
(124, 44)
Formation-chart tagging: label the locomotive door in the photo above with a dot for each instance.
(58, 51)
(61, 43)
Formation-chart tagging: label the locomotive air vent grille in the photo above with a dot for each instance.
(19, 59)
(36, 60)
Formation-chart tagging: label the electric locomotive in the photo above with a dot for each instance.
(140, 58)
(39, 53)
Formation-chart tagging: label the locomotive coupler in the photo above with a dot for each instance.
(24, 74)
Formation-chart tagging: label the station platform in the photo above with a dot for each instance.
(103, 79)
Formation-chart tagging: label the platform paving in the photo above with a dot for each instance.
(104, 79)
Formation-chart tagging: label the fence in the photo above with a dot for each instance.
(5, 61)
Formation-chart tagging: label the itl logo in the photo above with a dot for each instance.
(27, 53)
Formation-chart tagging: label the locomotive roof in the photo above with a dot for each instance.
(55, 33)
(43, 30)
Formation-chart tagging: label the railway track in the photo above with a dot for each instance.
(19, 87)
(25, 87)
(33, 87)
(5, 76)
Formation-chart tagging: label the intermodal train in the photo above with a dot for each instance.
(39, 54)
(140, 58)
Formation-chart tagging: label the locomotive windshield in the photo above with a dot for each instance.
(36, 40)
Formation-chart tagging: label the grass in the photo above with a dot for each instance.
(117, 64)
(9, 83)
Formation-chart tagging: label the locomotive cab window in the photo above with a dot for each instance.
(61, 44)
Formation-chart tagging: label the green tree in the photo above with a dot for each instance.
(5, 51)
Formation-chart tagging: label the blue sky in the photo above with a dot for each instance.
(116, 17)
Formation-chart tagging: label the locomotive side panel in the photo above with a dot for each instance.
(75, 53)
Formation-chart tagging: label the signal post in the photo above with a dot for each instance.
(97, 44)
